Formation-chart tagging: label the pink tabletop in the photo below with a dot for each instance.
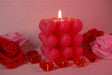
(102, 67)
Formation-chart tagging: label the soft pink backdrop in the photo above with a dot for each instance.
(24, 15)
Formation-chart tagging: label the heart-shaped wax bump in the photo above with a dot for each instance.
(77, 26)
(53, 54)
(77, 40)
(45, 50)
(63, 27)
(50, 54)
(51, 41)
(42, 37)
(65, 40)
(43, 24)
(47, 26)
(67, 53)
(50, 27)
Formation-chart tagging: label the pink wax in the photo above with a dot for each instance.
(67, 52)
(65, 40)
(58, 36)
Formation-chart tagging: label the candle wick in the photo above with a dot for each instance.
(59, 19)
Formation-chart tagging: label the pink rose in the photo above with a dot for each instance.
(102, 46)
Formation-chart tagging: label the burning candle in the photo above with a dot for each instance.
(59, 15)
(60, 37)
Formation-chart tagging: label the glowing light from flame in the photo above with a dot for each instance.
(59, 14)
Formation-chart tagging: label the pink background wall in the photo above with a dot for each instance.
(24, 15)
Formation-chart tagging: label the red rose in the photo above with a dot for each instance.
(11, 55)
(86, 43)
(93, 30)
(87, 51)
(92, 34)
(100, 33)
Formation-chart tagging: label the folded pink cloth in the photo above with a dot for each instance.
(102, 46)
(16, 37)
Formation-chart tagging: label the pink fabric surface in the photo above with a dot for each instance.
(102, 46)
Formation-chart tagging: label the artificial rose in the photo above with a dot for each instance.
(100, 33)
(20, 39)
(102, 46)
(11, 55)
(90, 36)
(93, 30)
(86, 43)
(87, 51)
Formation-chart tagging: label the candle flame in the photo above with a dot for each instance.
(59, 14)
